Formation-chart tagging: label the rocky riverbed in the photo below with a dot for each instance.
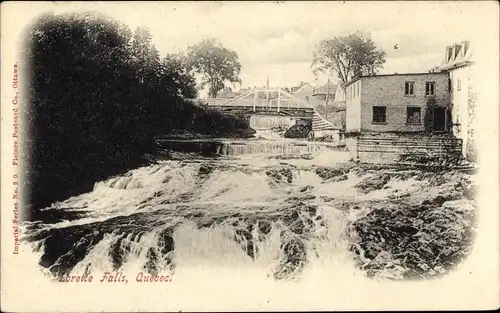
(280, 213)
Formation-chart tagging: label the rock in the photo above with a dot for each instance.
(460, 205)
(265, 227)
(306, 188)
(244, 132)
(440, 269)
(470, 192)
(331, 172)
(281, 175)
(383, 257)
(374, 182)
(439, 200)
(424, 266)
(205, 169)
(340, 178)
(298, 131)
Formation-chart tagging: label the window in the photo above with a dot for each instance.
(413, 115)
(429, 88)
(379, 114)
(457, 50)
(449, 51)
(459, 84)
(307, 98)
(409, 88)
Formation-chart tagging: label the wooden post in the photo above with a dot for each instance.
(268, 103)
(279, 99)
(255, 93)
(327, 96)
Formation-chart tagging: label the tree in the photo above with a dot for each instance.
(98, 97)
(145, 55)
(215, 63)
(348, 56)
(174, 67)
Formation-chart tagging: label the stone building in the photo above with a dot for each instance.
(458, 63)
(399, 103)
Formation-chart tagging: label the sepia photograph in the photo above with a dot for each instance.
(250, 156)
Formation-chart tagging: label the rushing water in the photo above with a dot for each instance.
(246, 217)
(257, 205)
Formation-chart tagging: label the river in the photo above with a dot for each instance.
(259, 211)
(252, 205)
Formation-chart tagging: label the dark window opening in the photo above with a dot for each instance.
(409, 88)
(413, 115)
(450, 53)
(457, 50)
(439, 119)
(429, 88)
(379, 115)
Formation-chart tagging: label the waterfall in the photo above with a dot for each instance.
(175, 215)
(241, 147)
(274, 148)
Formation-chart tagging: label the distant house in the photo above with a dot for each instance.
(398, 103)
(320, 93)
(458, 62)
(339, 94)
(304, 91)
(226, 93)
(243, 91)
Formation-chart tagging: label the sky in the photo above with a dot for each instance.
(277, 40)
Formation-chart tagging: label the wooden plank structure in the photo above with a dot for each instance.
(385, 148)
(284, 103)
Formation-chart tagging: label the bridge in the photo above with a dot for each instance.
(270, 107)
(264, 101)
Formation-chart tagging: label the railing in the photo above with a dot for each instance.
(255, 98)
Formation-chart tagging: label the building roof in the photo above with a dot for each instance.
(355, 79)
(297, 88)
(322, 90)
(457, 55)
(243, 90)
(226, 93)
